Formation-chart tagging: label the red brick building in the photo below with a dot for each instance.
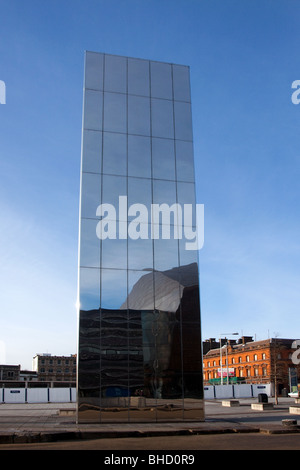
(248, 361)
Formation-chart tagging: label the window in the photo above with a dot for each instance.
(247, 358)
(255, 357)
(263, 356)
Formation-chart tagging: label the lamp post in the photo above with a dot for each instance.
(221, 366)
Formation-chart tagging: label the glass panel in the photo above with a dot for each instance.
(114, 354)
(90, 194)
(140, 254)
(163, 159)
(113, 188)
(139, 156)
(89, 366)
(115, 73)
(181, 83)
(138, 115)
(183, 121)
(167, 290)
(89, 244)
(114, 253)
(114, 153)
(89, 289)
(115, 112)
(135, 360)
(140, 193)
(93, 110)
(94, 71)
(138, 77)
(184, 161)
(190, 303)
(140, 289)
(161, 80)
(191, 351)
(92, 151)
(162, 118)
(165, 254)
(186, 195)
(188, 256)
(164, 192)
(113, 289)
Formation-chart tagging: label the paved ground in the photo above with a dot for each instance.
(49, 426)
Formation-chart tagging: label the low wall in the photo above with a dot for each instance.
(38, 395)
(236, 391)
(68, 394)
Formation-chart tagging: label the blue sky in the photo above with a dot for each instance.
(244, 56)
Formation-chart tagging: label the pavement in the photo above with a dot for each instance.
(53, 422)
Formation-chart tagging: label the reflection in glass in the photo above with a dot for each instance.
(163, 159)
(187, 256)
(162, 118)
(164, 192)
(94, 71)
(92, 151)
(140, 254)
(183, 121)
(115, 112)
(138, 115)
(139, 350)
(181, 83)
(89, 288)
(139, 156)
(113, 188)
(138, 77)
(186, 195)
(90, 244)
(113, 288)
(161, 80)
(90, 194)
(139, 193)
(93, 110)
(114, 153)
(165, 254)
(184, 161)
(114, 253)
(115, 74)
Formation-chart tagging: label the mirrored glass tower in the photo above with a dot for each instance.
(139, 335)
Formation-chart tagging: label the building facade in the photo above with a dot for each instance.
(9, 372)
(51, 368)
(248, 361)
(139, 341)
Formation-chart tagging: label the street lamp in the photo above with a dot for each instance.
(221, 366)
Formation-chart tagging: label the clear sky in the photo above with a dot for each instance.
(244, 56)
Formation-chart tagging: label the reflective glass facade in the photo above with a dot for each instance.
(139, 340)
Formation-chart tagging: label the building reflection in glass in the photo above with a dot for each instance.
(139, 341)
